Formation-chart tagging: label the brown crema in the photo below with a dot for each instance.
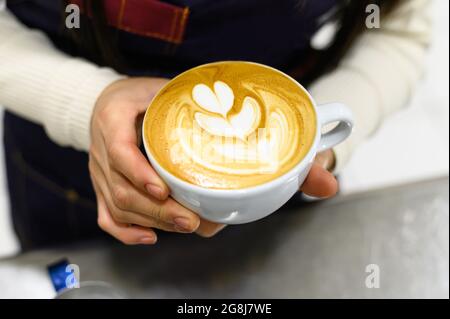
(230, 125)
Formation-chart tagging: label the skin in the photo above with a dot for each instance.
(132, 200)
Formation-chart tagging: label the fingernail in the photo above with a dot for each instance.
(155, 191)
(183, 224)
(148, 240)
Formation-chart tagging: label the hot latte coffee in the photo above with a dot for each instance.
(230, 125)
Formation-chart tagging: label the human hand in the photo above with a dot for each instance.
(131, 198)
(320, 182)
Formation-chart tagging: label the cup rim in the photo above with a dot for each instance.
(280, 180)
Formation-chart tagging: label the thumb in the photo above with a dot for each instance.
(320, 183)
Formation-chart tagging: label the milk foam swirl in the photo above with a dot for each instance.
(230, 125)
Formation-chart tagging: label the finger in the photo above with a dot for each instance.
(208, 229)
(126, 197)
(127, 159)
(119, 206)
(130, 217)
(326, 159)
(125, 156)
(320, 183)
(130, 235)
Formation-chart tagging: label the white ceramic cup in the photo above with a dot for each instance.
(238, 206)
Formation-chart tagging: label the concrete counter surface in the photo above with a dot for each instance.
(395, 238)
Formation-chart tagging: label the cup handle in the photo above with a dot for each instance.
(334, 112)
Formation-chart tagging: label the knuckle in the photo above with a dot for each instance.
(119, 216)
(102, 223)
(104, 114)
(114, 152)
(158, 212)
(120, 196)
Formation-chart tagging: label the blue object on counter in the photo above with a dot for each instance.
(59, 274)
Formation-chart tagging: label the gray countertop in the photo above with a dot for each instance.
(318, 250)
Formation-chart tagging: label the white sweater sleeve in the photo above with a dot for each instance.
(378, 75)
(46, 86)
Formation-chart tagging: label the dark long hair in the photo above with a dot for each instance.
(98, 42)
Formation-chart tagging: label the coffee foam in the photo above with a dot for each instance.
(230, 125)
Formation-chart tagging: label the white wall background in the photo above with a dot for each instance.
(412, 145)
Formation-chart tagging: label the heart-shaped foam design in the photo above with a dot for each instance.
(262, 147)
(240, 125)
(220, 101)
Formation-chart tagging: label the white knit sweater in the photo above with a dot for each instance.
(377, 77)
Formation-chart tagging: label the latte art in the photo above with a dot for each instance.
(230, 125)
